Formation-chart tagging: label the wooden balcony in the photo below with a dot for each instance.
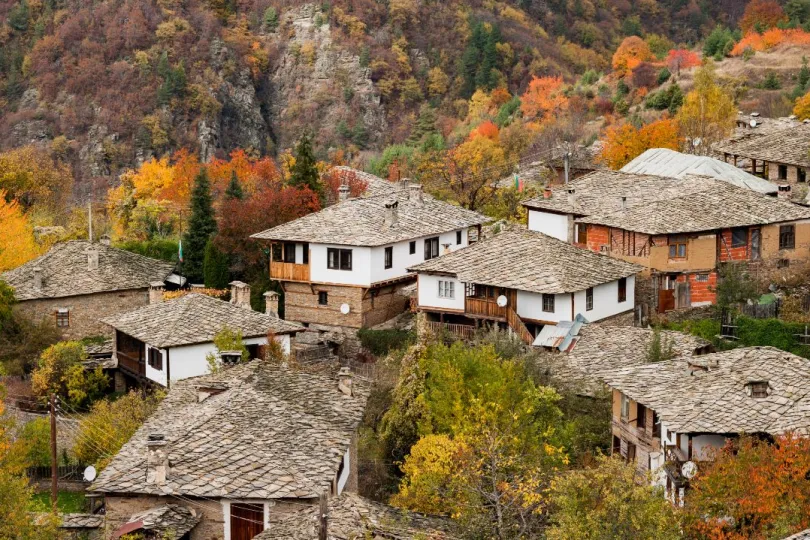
(484, 308)
(131, 362)
(289, 271)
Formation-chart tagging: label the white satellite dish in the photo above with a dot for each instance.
(345, 309)
(753, 123)
(689, 470)
(696, 141)
(502, 301)
(90, 473)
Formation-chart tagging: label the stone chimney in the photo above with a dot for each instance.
(271, 299)
(104, 240)
(92, 258)
(572, 197)
(546, 193)
(415, 193)
(156, 292)
(344, 193)
(157, 459)
(38, 278)
(345, 382)
(391, 214)
(240, 294)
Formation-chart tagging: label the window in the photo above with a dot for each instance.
(447, 289)
(787, 237)
(641, 416)
(582, 233)
(155, 359)
(758, 389)
(739, 237)
(389, 257)
(548, 303)
(702, 278)
(622, 290)
(458, 238)
(677, 247)
(62, 318)
(306, 254)
(277, 252)
(589, 299)
(782, 172)
(625, 407)
(412, 247)
(431, 248)
(801, 175)
(338, 259)
(656, 425)
(289, 253)
(323, 298)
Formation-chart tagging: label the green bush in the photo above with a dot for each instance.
(35, 438)
(165, 250)
(381, 342)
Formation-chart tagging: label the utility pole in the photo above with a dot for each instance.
(90, 220)
(322, 521)
(54, 471)
(567, 163)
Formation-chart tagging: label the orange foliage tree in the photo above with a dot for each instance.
(763, 489)
(678, 59)
(760, 15)
(543, 99)
(487, 129)
(337, 177)
(632, 52)
(770, 39)
(17, 244)
(624, 142)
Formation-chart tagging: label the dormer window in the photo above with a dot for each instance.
(758, 389)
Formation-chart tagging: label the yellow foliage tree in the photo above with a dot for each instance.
(624, 142)
(632, 52)
(708, 114)
(438, 82)
(29, 175)
(17, 243)
(802, 107)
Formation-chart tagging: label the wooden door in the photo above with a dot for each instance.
(666, 300)
(684, 295)
(247, 520)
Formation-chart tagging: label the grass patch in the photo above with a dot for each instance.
(68, 502)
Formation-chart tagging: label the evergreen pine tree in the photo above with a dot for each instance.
(201, 226)
(234, 190)
(304, 173)
(425, 125)
(215, 267)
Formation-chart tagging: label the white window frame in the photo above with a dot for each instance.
(625, 407)
(447, 289)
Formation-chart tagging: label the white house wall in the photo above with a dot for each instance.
(157, 375)
(403, 258)
(360, 274)
(429, 293)
(605, 301)
(703, 445)
(555, 225)
(530, 306)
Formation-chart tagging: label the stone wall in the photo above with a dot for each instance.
(121, 508)
(366, 307)
(85, 310)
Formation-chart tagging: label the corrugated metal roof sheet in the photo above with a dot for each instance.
(560, 336)
(666, 162)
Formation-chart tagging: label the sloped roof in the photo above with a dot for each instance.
(666, 162)
(271, 432)
(803, 535)
(374, 184)
(81, 521)
(790, 146)
(172, 520)
(195, 318)
(602, 191)
(352, 516)
(529, 261)
(601, 349)
(717, 205)
(691, 400)
(361, 221)
(65, 271)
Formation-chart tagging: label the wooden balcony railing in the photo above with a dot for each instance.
(463, 331)
(130, 362)
(478, 306)
(518, 326)
(289, 271)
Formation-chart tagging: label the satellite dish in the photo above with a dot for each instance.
(696, 141)
(753, 123)
(689, 470)
(345, 309)
(90, 473)
(502, 301)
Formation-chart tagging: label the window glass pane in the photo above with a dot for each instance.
(672, 251)
(681, 250)
(332, 258)
(739, 237)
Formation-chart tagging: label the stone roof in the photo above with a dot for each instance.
(374, 184)
(717, 205)
(666, 162)
(707, 394)
(790, 146)
(529, 261)
(169, 519)
(601, 349)
(264, 431)
(352, 516)
(362, 221)
(602, 191)
(195, 318)
(81, 521)
(66, 272)
(803, 535)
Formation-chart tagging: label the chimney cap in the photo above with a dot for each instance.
(238, 284)
(157, 284)
(155, 439)
(271, 294)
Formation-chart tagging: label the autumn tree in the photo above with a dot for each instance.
(60, 372)
(678, 59)
(625, 142)
(802, 107)
(632, 52)
(752, 489)
(201, 227)
(544, 99)
(17, 243)
(337, 177)
(607, 500)
(30, 176)
(708, 113)
(760, 15)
